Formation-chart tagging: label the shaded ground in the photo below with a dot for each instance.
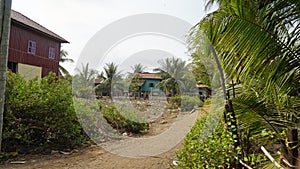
(96, 157)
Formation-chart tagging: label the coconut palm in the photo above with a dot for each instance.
(83, 81)
(63, 59)
(138, 68)
(110, 77)
(134, 78)
(257, 44)
(173, 72)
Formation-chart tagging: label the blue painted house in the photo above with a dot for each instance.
(144, 84)
(150, 80)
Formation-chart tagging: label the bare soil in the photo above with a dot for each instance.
(95, 157)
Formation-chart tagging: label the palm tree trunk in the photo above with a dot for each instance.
(220, 69)
(221, 74)
(5, 6)
(228, 106)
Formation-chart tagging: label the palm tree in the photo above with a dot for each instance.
(172, 71)
(138, 68)
(83, 82)
(135, 79)
(110, 77)
(257, 44)
(63, 58)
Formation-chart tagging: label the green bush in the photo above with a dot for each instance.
(186, 103)
(208, 101)
(39, 113)
(214, 152)
(202, 150)
(124, 120)
(90, 117)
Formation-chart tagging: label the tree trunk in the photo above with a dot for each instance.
(292, 145)
(220, 69)
(233, 128)
(5, 7)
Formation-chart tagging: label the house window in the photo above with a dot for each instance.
(31, 47)
(51, 53)
(151, 84)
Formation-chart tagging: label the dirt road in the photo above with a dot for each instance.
(96, 157)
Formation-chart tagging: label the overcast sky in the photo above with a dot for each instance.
(79, 20)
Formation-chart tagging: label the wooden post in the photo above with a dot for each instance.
(5, 8)
(292, 145)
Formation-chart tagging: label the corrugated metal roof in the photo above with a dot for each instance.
(22, 19)
(150, 76)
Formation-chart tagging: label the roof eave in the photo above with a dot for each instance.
(61, 40)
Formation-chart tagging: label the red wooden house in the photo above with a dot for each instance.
(33, 49)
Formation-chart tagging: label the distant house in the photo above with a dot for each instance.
(150, 80)
(145, 84)
(33, 49)
(99, 89)
(204, 91)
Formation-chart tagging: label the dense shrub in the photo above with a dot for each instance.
(124, 120)
(39, 113)
(214, 152)
(186, 103)
(90, 118)
(202, 150)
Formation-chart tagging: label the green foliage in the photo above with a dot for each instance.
(186, 103)
(124, 120)
(208, 101)
(172, 71)
(63, 72)
(83, 82)
(111, 79)
(199, 70)
(257, 43)
(39, 113)
(89, 116)
(215, 151)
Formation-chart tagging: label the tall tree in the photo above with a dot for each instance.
(84, 81)
(110, 77)
(173, 72)
(138, 68)
(5, 8)
(135, 78)
(257, 43)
